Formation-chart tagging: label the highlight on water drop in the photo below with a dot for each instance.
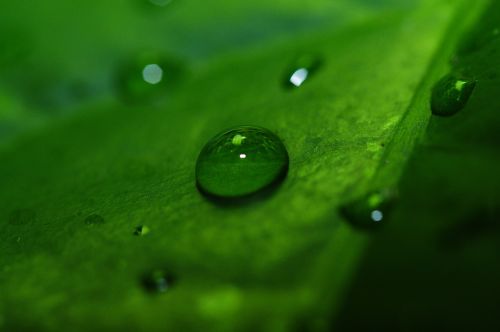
(152, 73)
(300, 70)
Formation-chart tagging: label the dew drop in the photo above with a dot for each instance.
(158, 281)
(450, 95)
(94, 219)
(301, 70)
(149, 78)
(141, 230)
(22, 217)
(240, 162)
(369, 211)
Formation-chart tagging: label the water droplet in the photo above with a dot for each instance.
(450, 94)
(158, 281)
(22, 217)
(301, 70)
(94, 219)
(370, 211)
(149, 78)
(141, 230)
(240, 162)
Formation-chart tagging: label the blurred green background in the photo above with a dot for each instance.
(89, 152)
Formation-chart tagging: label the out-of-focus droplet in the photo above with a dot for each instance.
(149, 78)
(241, 161)
(370, 211)
(158, 281)
(450, 95)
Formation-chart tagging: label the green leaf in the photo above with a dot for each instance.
(75, 190)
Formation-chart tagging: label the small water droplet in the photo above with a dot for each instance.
(158, 281)
(450, 95)
(94, 219)
(22, 217)
(149, 78)
(301, 70)
(240, 162)
(141, 230)
(370, 211)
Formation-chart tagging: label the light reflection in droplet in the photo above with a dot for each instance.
(377, 215)
(299, 76)
(152, 73)
(243, 156)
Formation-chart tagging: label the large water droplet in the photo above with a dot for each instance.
(370, 211)
(450, 94)
(94, 219)
(158, 281)
(301, 70)
(240, 162)
(149, 78)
